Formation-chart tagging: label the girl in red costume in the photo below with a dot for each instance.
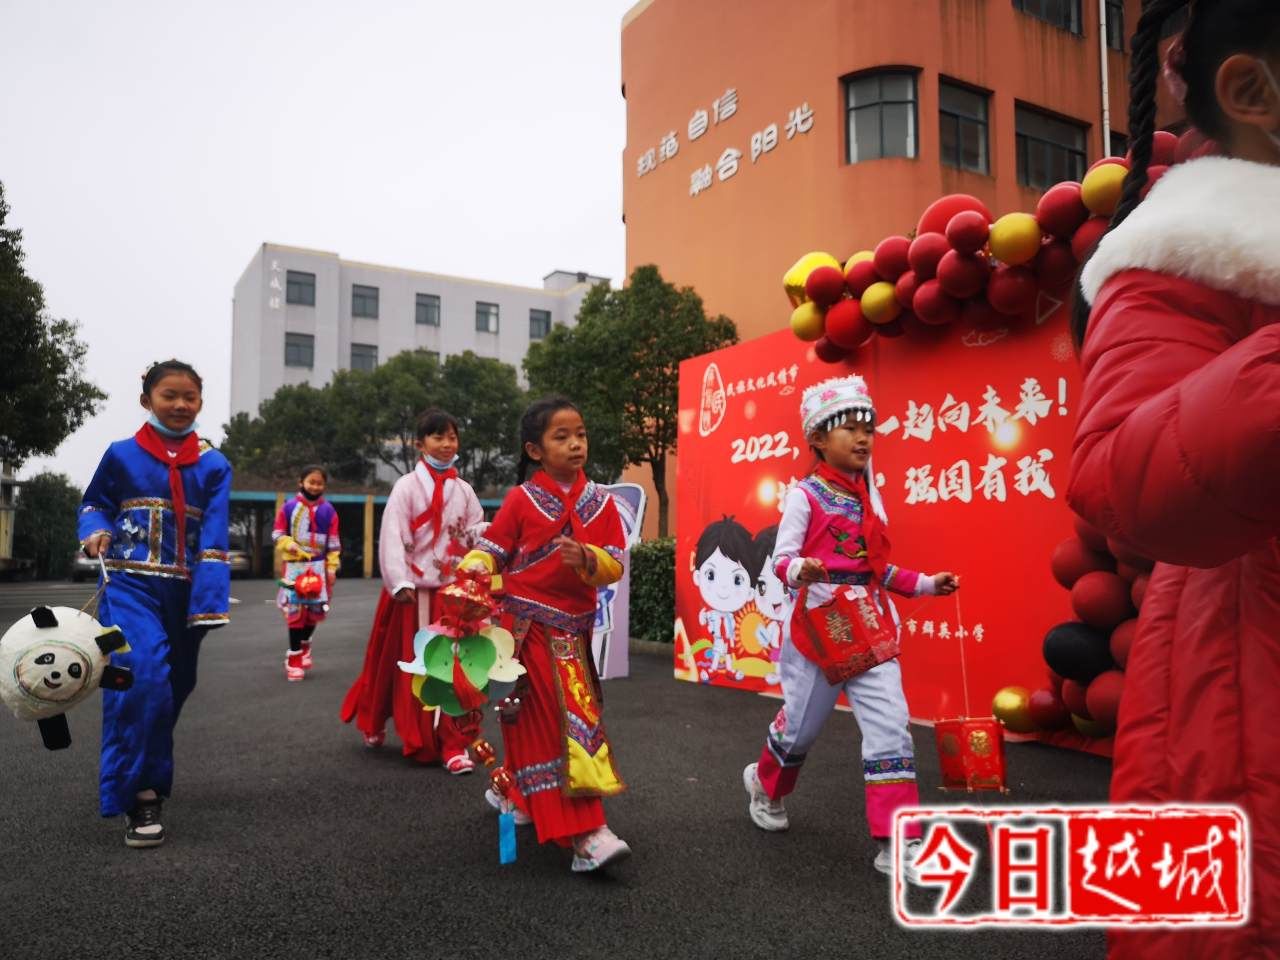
(556, 539)
(1178, 444)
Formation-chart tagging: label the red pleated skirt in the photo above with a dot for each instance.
(384, 690)
(535, 749)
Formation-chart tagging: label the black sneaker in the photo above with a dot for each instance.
(142, 825)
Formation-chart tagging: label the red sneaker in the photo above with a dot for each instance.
(293, 669)
(306, 654)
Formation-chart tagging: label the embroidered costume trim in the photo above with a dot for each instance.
(153, 503)
(548, 503)
(491, 548)
(591, 502)
(149, 569)
(832, 498)
(521, 608)
(540, 776)
(207, 619)
(588, 756)
(889, 770)
(214, 556)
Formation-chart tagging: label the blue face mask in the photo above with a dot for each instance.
(439, 465)
(165, 431)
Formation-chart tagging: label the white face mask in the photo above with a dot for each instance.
(1272, 135)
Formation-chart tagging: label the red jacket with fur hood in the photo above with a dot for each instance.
(1177, 455)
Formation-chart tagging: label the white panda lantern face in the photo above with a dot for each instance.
(52, 659)
(54, 671)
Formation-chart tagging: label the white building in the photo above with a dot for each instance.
(299, 315)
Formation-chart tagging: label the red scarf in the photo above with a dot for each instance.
(150, 440)
(434, 514)
(872, 527)
(542, 531)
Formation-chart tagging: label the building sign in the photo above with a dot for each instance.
(799, 121)
(275, 299)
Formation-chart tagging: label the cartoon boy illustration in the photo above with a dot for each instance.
(723, 562)
(773, 599)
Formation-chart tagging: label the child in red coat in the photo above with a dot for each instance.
(556, 539)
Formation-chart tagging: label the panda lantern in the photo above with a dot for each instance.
(51, 660)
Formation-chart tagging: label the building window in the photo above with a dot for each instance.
(1119, 144)
(1060, 13)
(299, 350)
(882, 115)
(539, 324)
(486, 317)
(364, 356)
(963, 127)
(300, 288)
(1049, 150)
(433, 354)
(1115, 25)
(427, 310)
(364, 301)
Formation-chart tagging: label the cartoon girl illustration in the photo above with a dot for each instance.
(773, 599)
(723, 560)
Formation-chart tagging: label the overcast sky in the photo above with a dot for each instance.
(147, 149)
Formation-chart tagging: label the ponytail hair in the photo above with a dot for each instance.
(1215, 30)
(533, 424)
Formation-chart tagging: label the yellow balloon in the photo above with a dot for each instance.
(880, 302)
(793, 280)
(808, 321)
(1010, 706)
(1015, 238)
(1101, 187)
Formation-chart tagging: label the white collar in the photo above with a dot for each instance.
(1215, 221)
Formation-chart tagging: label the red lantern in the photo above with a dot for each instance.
(971, 753)
(308, 585)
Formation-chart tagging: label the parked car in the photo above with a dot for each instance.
(84, 568)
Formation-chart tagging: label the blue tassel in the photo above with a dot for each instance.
(506, 838)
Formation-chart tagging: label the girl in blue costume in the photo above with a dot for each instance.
(156, 511)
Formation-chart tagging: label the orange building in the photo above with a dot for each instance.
(759, 130)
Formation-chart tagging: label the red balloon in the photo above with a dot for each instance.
(824, 286)
(1055, 265)
(1129, 573)
(1047, 711)
(1060, 211)
(1138, 590)
(925, 252)
(968, 231)
(1154, 173)
(1101, 599)
(847, 328)
(1129, 557)
(1091, 537)
(1123, 161)
(1103, 696)
(1012, 290)
(1122, 640)
(894, 328)
(939, 213)
(891, 257)
(1072, 560)
(861, 275)
(828, 351)
(1073, 695)
(1087, 236)
(904, 290)
(980, 315)
(933, 306)
(1164, 149)
(1055, 682)
(962, 274)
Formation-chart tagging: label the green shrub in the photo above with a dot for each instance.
(653, 590)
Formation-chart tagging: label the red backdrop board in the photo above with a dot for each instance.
(972, 456)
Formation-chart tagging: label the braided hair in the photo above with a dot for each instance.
(1215, 30)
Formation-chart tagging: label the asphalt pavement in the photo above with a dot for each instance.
(288, 838)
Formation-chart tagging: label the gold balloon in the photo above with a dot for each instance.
(794, 279)
(1011, 707)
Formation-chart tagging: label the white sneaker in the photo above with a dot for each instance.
(597, 849)
(766, 813)
(910, 850)
(503, 805)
